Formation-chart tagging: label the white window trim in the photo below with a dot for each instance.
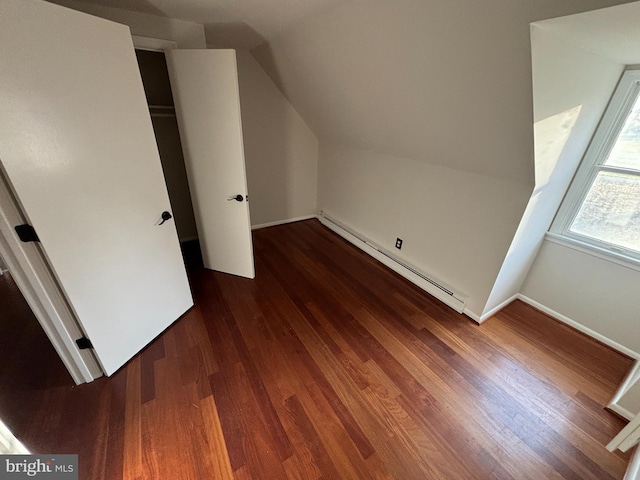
(592, 250)
(606, 134)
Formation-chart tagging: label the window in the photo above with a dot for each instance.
(602, 207)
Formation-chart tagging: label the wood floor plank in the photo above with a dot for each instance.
(448, 402)
(554, 367)
(133, 429)
(551, 415)
(217, 452)
(339, 445)
(319, 458)
(326, 366)
(229, 412)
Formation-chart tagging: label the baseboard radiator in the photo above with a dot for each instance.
(428, 283)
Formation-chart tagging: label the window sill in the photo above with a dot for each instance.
(618, 259)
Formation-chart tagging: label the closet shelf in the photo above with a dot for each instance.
(162, 110)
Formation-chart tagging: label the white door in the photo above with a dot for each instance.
(77, 146)
(207, 100)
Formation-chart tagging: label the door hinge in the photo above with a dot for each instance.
(84, 343)
(27, 233)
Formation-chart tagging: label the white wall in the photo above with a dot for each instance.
(631, 400)
(594, 292)
(577, 62)
(281, 152)
(185, 34)
(571, 88)
(455, 225)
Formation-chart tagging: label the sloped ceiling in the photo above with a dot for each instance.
(242, 24)
(446, 82)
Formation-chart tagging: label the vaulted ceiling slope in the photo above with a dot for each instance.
(446, 82)
(242, 24)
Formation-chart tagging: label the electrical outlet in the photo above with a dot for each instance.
(399, 243)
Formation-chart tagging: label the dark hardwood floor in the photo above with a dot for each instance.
(330, 366)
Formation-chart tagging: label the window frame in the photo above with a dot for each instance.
(622, 101)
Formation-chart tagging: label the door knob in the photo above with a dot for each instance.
(237, 198)
(165, 216)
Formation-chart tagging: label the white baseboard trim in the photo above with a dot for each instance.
(473, 316)
(632, 377)
(623, 412)
(578, 326)
(412, 274)
(634, 372)
(282, 222)
(633, 470)
(493, 311)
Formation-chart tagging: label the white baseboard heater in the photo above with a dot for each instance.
(428, 283)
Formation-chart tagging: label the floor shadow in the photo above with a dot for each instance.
(29, 366)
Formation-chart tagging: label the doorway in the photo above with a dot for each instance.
(29, 281)
(22, 336)
(122, 251)
(157, 87)
(30, 365)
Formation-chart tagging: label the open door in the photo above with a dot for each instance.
(77, 146)
(207, 101)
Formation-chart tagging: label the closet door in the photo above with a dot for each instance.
(207, 101)
(77, 146)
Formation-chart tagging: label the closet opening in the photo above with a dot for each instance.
(157, 88)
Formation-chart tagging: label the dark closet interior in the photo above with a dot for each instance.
(155, 78)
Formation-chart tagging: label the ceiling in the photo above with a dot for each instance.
(231, 23)
(610, 32)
